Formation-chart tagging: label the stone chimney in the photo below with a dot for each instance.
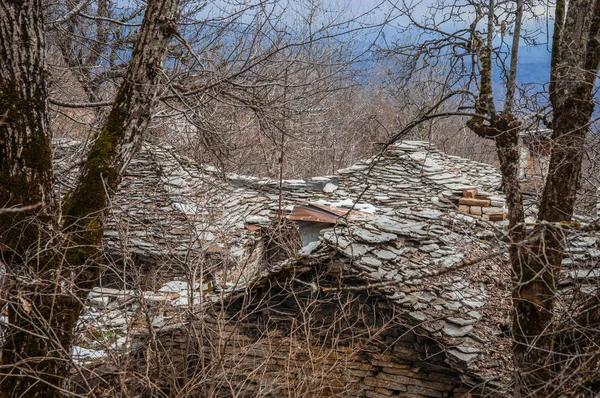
(535, 147)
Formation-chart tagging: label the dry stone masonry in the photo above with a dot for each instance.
(403, 226)
(484, 205)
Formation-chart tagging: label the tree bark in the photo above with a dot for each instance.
(26, 176)
(43, 314)
(573, 74)
(26, 179)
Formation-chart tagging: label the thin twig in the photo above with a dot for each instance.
(20, 209)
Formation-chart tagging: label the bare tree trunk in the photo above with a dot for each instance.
(574, 70)
(43, 315)
(26, 179)
(26, 176)
(119, 139)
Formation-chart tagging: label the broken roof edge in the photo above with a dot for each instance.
(460, 353)
(325, 183)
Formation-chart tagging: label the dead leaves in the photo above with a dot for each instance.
(26, 304)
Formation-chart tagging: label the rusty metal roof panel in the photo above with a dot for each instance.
(314, 214)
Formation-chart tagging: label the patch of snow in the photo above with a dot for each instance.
(365, 208)
(186, 208)
(322, 179)
(256, 219)
(174, 287)
(329, 188)
(82, 354)
(349, 203)
(184, 299)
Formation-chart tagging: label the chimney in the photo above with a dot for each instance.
(535, 149)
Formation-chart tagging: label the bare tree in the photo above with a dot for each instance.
(240, 78)
(472, 52)
(44, 298)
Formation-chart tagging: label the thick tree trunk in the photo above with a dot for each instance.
(38, 346)
(25, 158)
(116, 144)
(25, 181)
(574, 70)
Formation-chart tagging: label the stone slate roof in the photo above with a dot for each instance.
(406, 238)
(168, 205)
(414, 246)
(170, 209)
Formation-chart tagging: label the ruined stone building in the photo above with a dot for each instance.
(388, 278)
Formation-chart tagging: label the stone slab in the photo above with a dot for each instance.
(474, 202)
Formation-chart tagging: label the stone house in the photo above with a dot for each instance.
(388, 278)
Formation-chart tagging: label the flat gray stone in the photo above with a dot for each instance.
(473, 303)
(567, 261)
(468, 350)
(449, 261)
(460, 187)
(460, 321)
(309, 248)
(429, 213)
(475, 314)
(426, 297)
(429, 248)
(409, 229)
(584, 241)
(336, 238)
(385, 255)
(593, 253)
(355, 250)
(370, 261)
(418, 316)
(443, 176)
(369, 236)
(461, 356)
(581, 274)
(117, 322)
(99, 301)
(453, 330)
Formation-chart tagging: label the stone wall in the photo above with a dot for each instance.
(480, 204)
(282, 340)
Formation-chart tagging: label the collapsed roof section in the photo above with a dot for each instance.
(393, 219)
